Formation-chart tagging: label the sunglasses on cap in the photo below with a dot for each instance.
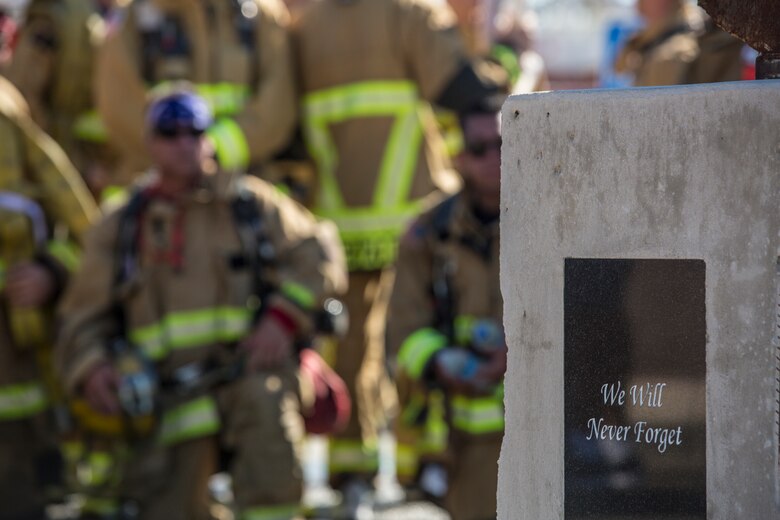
(173, 132)
(481, 148)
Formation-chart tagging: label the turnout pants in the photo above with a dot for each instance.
(360, 361)
(21, 488)
(261, 427)
(473, 476)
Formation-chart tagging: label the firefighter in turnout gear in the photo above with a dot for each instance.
(680, 45)
(53, 67)
(236, 52)
(662, 52)
(367, 71)
(445, 319)
(44, 208)
(503, 40)
(211, 277)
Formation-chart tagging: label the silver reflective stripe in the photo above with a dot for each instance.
(189, 329)
(21, 400)
(191, 420)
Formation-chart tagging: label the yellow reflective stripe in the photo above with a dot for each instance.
(478, 415)
(346, 455)
(98, 469)
(225, 99)
(367, 220)
(324, 153)
(410, 415)
(89, 127)
(114, 195)
(509, 60)
(367, 99)
(364, 99)
(449, 127)
(391, 211)
(101, 506)
(406, 460)
(399, 160)
(21, 400)
(71, 450)
(279, 512)
(418, 349)
(66, 252)
(464, 325)
(230, 143)
(298, 294)
(436, 433)
(371, 240)
(188, 329)
(191, 420)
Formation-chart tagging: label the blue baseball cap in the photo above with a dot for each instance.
(179, 110)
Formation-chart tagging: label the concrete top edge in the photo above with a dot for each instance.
(772, 86)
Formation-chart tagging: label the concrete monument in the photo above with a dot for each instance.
(639, 272)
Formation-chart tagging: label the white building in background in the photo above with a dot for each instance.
(573, 37)
(15, 7)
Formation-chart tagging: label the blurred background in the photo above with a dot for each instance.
(579, 40)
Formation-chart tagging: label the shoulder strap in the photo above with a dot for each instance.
(255, 243)
(126, 246)
(442, 218)
(443, 295)
(126, 249)
(661, 38)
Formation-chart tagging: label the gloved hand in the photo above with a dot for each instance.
(462, 371)
(453, 368)
(269, 345)
(100, 389)
(29, 285)
(492, 370)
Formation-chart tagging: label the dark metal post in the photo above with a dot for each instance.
(755, 22)
(768, 65)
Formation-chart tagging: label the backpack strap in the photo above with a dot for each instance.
(256, 245)
(664, 36)
(126, 249)
(442, 286)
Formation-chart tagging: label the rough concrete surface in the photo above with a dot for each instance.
(680, 172)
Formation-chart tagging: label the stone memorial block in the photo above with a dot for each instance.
(639, 269)
(634, 380)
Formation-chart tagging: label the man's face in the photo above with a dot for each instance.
(178, 152)
(480, 160)
(654, 10)
(465, 10)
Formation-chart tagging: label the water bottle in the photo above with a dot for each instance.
(458, 363)
(486, 336)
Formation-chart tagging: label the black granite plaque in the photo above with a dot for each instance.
(634, 376)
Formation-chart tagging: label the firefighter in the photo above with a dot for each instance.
(720, 56)
(503, 32)
(445, 318)
(53, 68)
(44, 208)
(662, 52)
(494, 31)
(236, 52)
(367, 71)
(207, 278)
